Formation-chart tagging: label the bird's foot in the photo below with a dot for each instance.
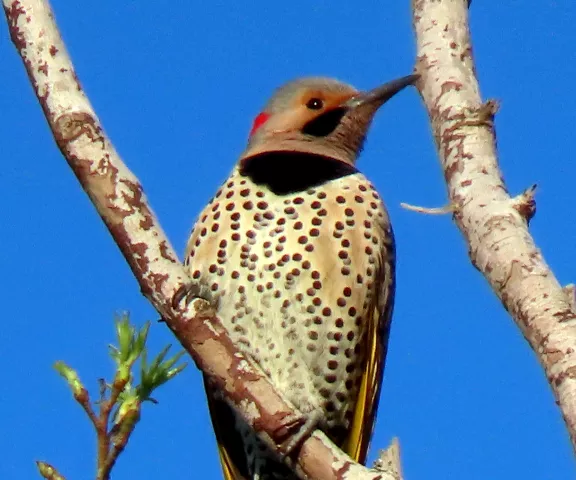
(304, 431)
(192, 291)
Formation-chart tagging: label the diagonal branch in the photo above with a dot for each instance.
(494, 225)
(120, 201)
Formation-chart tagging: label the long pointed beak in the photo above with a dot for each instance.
(381, 94)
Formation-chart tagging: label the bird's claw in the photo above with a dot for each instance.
(193, 290)
(304, 431)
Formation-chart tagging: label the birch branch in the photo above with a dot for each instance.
(494, 225)
(119, 198)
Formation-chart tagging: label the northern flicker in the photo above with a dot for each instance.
(298, 250)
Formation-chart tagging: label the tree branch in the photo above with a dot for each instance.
(120, 201)
(494, 225)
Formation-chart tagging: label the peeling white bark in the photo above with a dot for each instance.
(494, 225)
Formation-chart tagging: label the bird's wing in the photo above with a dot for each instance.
(230, 443)
(376, 343)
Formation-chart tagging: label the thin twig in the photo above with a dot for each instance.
(429, 210)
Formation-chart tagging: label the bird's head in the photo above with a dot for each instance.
(319, 116)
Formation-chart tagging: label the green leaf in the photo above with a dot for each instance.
(71, 376)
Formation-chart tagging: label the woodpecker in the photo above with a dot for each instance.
(298, 251)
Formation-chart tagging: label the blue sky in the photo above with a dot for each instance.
(176, 87)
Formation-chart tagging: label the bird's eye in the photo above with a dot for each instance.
(315, 104)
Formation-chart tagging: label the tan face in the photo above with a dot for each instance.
(303, 107)
(282, 126)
